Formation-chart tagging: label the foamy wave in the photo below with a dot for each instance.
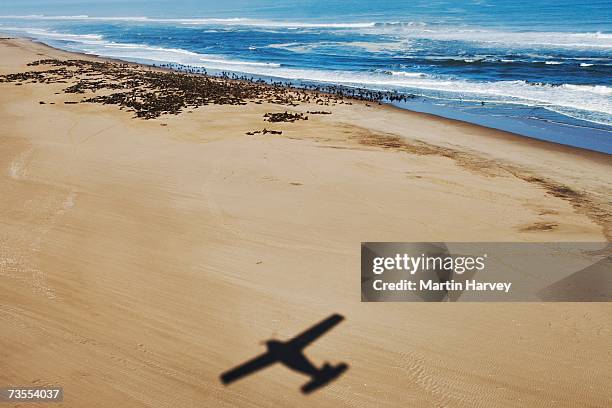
(175, 56)
(596, 89)
(42, 34)
(513, 39)
(239, 63)
(96, 44)
(408, 74)
(148, 48)
(201, 21)
(340, 47)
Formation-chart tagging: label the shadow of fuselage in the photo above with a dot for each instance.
(290, 354)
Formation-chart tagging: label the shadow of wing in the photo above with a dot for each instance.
(247, 368)
(308, 336)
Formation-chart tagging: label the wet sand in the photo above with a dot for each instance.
(140, 257)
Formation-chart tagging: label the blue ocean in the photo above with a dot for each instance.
(540, 68)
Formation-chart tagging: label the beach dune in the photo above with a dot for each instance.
(140, 259)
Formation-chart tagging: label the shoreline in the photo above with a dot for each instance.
(142, 258)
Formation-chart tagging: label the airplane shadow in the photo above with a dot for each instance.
(290, 353)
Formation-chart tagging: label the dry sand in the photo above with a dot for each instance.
(141, 258)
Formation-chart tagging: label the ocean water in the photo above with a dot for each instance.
(540, 68)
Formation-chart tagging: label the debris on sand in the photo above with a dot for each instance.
(319, 112)
(264, 132)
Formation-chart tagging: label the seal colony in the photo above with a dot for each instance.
(151, 93)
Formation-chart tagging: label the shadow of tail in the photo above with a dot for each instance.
(327, 374)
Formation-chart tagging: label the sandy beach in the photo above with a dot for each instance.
(140, 258)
